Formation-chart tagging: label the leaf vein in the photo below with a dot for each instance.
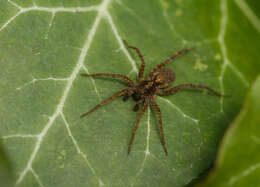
(179, 110)
(36, 176)
(47, 9)
(147, 151)
(50, 25)
(226, 61)
(234, 179)
(122, 46)
(34, 80)
(92, 80)
(249, 14)
(76, 144)
(21, 136)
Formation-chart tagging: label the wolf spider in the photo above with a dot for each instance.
(145, 90)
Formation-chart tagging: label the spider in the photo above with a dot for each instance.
(144, 91)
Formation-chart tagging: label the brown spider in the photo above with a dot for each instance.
(145, 90)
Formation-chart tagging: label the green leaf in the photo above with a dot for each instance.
(44, 47)
(238, 162)
(6, 175)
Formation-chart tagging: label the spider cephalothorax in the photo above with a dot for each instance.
(144, 91)
(147, 89)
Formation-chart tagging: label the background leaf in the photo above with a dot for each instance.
(6, 175)
(238, 160)
(45, 45)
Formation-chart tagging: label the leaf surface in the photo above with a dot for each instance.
(44, 47)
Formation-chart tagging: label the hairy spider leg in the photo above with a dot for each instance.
(140, 115)
(159, 115)
(175, 89)
(141, 70)
(117, 94)
(159, 66)
(123, 77)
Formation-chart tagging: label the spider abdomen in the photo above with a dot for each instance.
(163, 77)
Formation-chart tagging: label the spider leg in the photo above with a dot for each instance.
(123, 77)
(159, 115)
(141, 70)
(140, 115)
(121, 92)
(129, 93)
(159, 66)
(175, 89)
(136, 107)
